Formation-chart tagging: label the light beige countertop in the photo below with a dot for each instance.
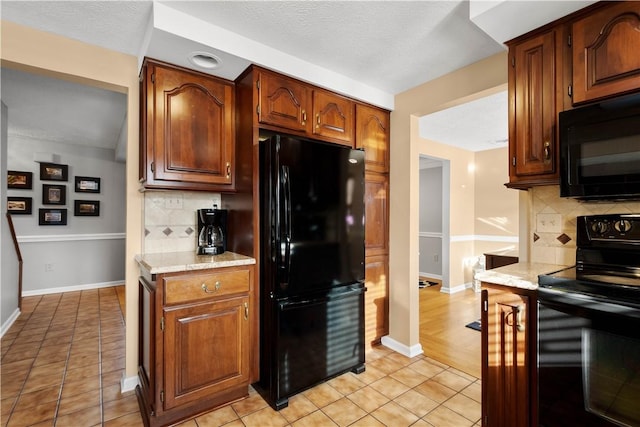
(173, 262)
(520, 275)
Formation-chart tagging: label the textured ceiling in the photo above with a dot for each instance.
(391, 46)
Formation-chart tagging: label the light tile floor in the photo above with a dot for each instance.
(63, 359)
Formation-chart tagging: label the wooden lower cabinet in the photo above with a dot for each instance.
(195, 340)
(508, 356)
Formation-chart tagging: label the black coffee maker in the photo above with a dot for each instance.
(212, 231)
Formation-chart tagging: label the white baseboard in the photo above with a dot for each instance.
(71, 288)
(413, 351)
(459, 288)
(430, 275)
(9, 322)
(128, 383)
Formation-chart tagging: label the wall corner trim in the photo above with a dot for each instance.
(413, 351)
(128, 383)
(9, 322)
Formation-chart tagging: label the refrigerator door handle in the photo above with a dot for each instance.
(286, 251)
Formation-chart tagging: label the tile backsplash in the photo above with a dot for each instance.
(553, 223)
(170, 223)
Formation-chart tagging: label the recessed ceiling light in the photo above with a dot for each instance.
(205, 60)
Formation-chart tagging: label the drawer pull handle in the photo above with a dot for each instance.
(209, 291)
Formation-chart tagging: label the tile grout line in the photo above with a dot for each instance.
(66, 363)
(19, 395)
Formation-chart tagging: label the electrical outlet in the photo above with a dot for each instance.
(173, 202)
(435, 258)
(549, 223)
(48, 267)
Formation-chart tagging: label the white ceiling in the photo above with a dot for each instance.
(371, 50)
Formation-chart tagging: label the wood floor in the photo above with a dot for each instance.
(443, 334)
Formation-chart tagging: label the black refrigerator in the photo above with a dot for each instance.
(311, 264)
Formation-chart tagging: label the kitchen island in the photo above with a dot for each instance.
(198, 333)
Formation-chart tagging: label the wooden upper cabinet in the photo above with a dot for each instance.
(606, 58)
(189, 130)
(283, 102)
(533, 106)
(372, 134)
(333, 117)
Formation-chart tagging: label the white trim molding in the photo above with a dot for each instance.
(9, 322)
(72, 288)
(70, 237)
(484, 237)
(128, 383)
(430, 234)
(398, 347)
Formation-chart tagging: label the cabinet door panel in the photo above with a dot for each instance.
(205, 349)
(283, 102)
(193, 128)
(376, 233)
(605, 52)
(505, 381)
(535, 106)
(333, 117)
(372, 134)
(376, 299)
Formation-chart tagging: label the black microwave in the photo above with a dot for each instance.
(600, 150)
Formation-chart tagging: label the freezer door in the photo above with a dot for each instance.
(318, 339)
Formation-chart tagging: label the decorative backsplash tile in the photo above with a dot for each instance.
(555, 243)
(170, 222)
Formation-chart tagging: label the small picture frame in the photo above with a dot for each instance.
(52, 217)
(20, 179)
(87, 184)
(86, 208)
(53, 172)
(54, 194)
(19, 205)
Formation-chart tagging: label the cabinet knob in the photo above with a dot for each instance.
(228, 170)
(304, 117)
(217, 287)
(246, 311)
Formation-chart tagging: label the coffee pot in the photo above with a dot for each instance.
(212, 229)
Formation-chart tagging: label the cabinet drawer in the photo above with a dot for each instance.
(194, 287)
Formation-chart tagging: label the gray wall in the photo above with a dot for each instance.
(88, 251)
(430, 226)
(8, 258)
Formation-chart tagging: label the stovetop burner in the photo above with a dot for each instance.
(607, 259)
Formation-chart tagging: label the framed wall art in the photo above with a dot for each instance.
(19, 179)
(54, 194)
(19, 205)
(87, 184)
(52, 217)
(86, 208)
(53, 172)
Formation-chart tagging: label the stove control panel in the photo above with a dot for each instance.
(622, 228)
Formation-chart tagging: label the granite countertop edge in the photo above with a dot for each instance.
(175, 262)
(522, 275)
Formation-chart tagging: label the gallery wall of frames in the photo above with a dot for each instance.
(62, 195)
